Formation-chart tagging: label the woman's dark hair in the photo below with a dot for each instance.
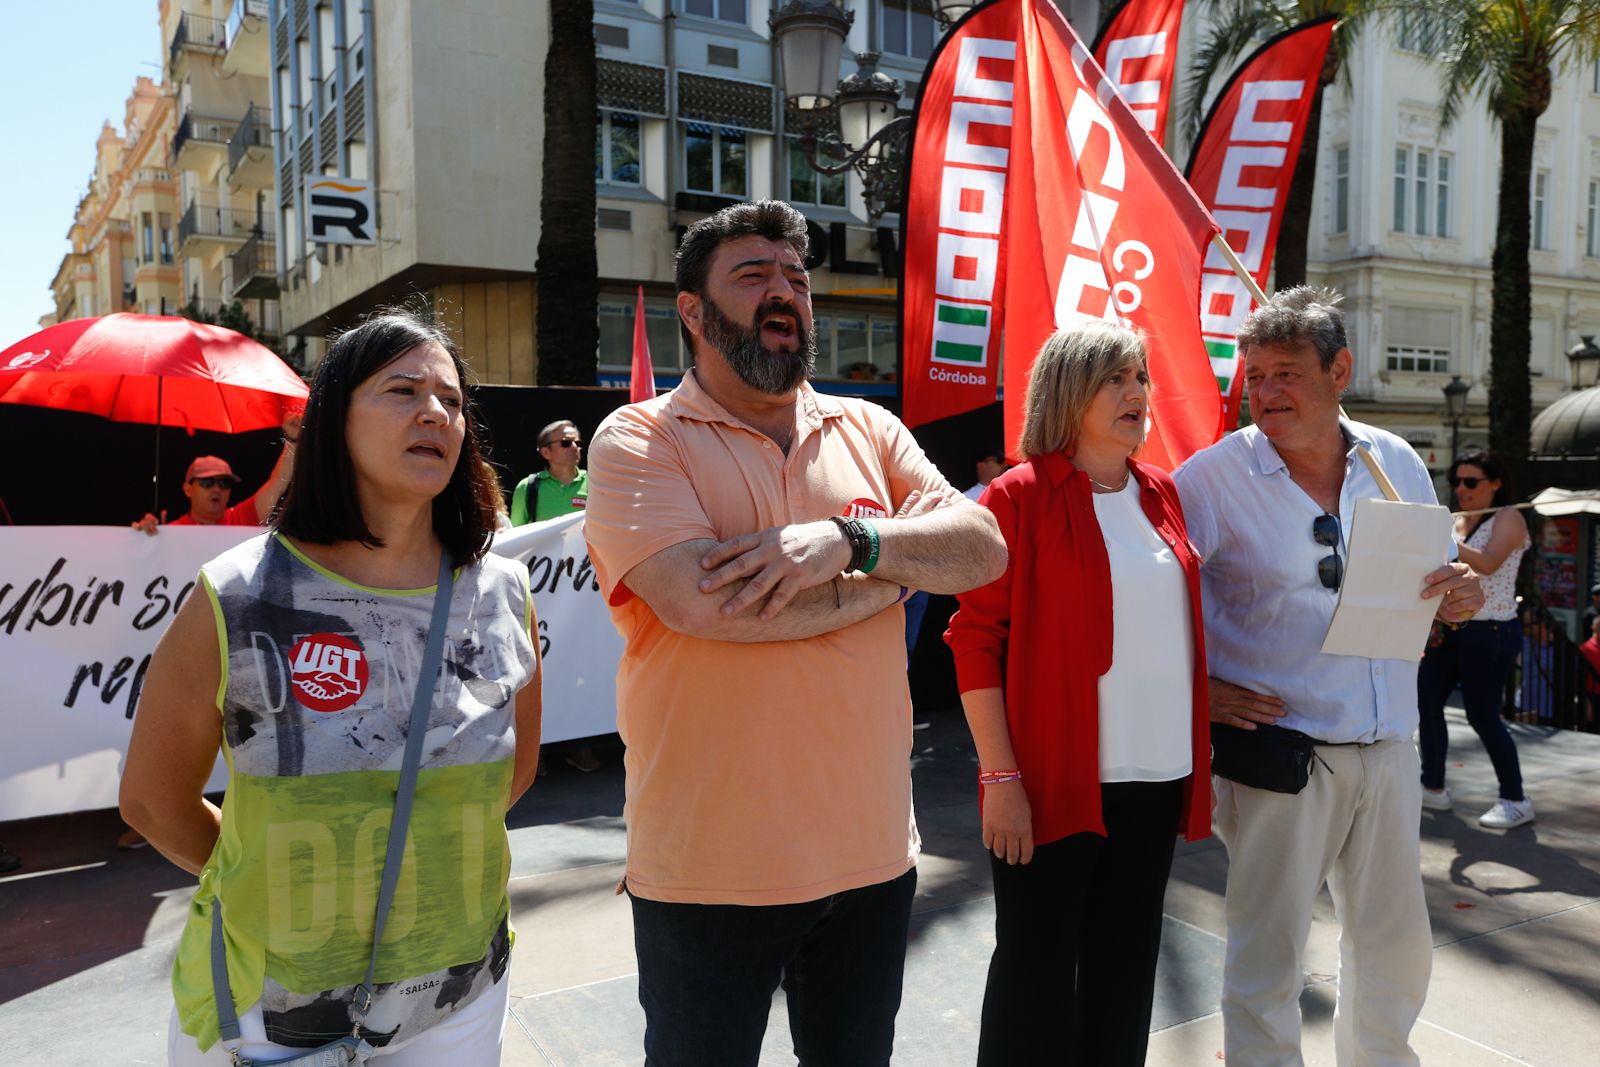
(321, 506)
(1490, 465)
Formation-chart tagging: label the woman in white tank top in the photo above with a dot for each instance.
(1480, 655)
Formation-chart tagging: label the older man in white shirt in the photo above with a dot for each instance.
(1269, 509)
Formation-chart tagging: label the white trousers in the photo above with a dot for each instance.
(1356, 828)
(471, 1037)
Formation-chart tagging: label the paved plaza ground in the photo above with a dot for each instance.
(87, 933)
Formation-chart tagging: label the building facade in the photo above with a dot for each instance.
(1406, 218)
(440, 106)
(691, 118)
(443, 109)
(215, 60)
(124, 231)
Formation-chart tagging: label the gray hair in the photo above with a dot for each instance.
(1071, 367)
(1305, 313)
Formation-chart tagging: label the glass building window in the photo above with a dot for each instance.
(1541, 209)
(1422, 198)
(1411, 358)
(806, 186)
(147, 243)
(1402, 164)
(906, 28)
(721, 10)
(855, 347)
(1341, 190)
(616, 148)
(1591, 227)
(660, 329)
(166, 239)
(715, 160)
(1441, 198)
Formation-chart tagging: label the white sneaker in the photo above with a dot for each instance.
(1507, 813)
(1436, 799)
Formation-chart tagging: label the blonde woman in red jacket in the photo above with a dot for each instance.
(1082, 672)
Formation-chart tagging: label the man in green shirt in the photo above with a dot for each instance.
(560, 489)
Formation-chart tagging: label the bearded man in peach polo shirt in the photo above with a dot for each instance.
(754, 539)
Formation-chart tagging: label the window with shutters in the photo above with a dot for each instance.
(1420, 340)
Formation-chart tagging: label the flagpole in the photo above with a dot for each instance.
(1239, 268)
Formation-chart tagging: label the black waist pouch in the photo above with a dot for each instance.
(1268, 757)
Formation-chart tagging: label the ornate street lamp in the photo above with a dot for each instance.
(1455, 407)
(949, 12)
(871, 138)
(810, 36)
(1584, 352)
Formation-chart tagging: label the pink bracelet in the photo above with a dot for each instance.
(996, 777)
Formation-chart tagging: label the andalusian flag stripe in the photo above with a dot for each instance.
(963, 315)
(950, 352)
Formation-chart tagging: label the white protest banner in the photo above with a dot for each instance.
(580, 646)
(82, 607)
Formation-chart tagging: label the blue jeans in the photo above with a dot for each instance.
(1479, 657)
(707, 973)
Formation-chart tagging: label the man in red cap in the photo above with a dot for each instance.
(209, 484)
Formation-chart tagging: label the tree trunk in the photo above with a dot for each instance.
(1510, 337)
(1289, 255)
(566, 273)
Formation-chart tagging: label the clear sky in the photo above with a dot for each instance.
(68, 67)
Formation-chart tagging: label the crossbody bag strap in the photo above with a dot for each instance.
(361, 1001)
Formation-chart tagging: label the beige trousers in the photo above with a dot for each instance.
(1357, 829)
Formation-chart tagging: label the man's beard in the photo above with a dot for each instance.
(768, 370)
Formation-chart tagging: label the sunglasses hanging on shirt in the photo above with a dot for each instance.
(1330, 568)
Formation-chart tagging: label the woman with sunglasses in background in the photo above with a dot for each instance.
(1083, 676)
(303, 653)
(1481, 654)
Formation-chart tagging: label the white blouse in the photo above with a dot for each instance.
(1146, 696)
(1499, 588)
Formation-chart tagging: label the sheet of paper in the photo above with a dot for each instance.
(1381, 613)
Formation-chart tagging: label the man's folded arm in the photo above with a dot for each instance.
(669, 582)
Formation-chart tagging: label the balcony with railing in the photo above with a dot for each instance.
(248, 48)
(255, 268)
(195, 33)
(250, 150)
(203, 223)
(200, 141)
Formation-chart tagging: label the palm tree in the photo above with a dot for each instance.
(1236, 26)
(566, 273)
(1507, 52)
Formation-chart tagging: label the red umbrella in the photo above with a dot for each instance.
(155, 369)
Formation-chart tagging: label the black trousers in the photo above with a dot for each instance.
(707, 973)
(1077, 932)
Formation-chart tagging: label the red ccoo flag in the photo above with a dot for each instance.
(1100, 225)
(1243, 163)
(642, 385)
(1138, 50)
(953, 229)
